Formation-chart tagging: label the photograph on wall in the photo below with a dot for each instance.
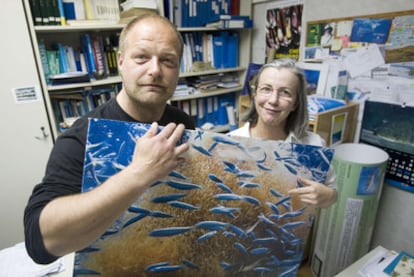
(371, 30)
(316, 75)
(224, 212)
(283, 32)
(400, 46)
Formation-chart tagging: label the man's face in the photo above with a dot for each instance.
(150, 63)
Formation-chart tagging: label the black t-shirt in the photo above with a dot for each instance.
(65, 167)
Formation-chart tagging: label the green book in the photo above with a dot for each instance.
(43, 58)
(53, 62)
(36, 12)
(44, 11)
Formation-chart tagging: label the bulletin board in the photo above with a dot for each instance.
(394, 29)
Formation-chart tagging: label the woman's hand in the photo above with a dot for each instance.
(315, 194)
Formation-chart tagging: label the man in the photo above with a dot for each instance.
(58, 218)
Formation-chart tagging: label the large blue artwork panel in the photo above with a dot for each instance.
(224, 212)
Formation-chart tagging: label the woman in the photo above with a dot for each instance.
(278, 111)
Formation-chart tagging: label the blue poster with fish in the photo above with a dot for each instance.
(224, 212)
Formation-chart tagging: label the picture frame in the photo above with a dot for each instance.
(316, 76)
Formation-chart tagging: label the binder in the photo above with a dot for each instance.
(218, 50)
(200, 112)
(232, 50)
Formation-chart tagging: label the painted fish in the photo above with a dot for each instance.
(206, 236)
(201, 149)
(168, 197)
(182, 185)
(169, 231)
(183, 205)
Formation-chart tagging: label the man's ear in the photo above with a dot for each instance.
(120, 61)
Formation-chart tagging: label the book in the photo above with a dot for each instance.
(63, 58)
(50, 13)
(219, 49)
(99, 56)
(402, 265)
(111, 56)
(36, 12)
(61, 12)
(69, 78)
(70, 56)
(44, 11)
(88, 10)
(230, 21)
(43, 58)
(89, 55)
(55, 12)
(52, 62)
(69, 9)
(142, 4)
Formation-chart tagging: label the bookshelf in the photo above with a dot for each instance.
(69, 35)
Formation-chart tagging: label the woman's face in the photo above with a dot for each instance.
(275, 96)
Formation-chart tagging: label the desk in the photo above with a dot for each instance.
(352, 270)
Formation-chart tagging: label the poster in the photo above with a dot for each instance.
(401, 40)
(344, 230)
(283, 32)
(316, 75)
(371, 30)
(225, 212)
(338, 128)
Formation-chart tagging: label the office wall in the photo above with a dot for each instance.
(394, 203)
(23, 146)
(316, 10)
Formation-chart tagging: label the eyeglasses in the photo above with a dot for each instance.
(282, 93)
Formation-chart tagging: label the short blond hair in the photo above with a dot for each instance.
(125, 31)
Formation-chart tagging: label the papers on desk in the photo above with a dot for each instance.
(317, 104)
(388, 263)
(14, 261)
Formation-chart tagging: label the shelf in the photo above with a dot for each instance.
(108, 26)
(92, 83)
(214, 71)
(77, 28)
(117, 79)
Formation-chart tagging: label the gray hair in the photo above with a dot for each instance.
(297, 121)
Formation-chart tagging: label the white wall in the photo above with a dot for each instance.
(23, 156)
(395, 205)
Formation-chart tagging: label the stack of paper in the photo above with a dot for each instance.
(389, 263)
(14, 261)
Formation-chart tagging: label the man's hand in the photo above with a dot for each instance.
(158, 154)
